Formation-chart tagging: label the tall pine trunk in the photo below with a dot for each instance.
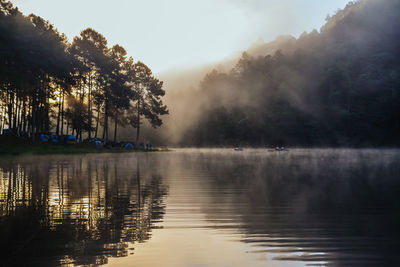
(24, 116)
(47, 110)
(116, 125)
(15, 115)
(33, 123)
(105, 129)
(106, 126)
(58, 116)
(2, 121)
(138, 121)
(97, 120)
(10, 105)
(89, 107)
(62, 113)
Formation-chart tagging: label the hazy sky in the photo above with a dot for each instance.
(165, 34)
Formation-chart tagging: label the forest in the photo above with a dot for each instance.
(336, 86)
(339, 86)
(83, 87)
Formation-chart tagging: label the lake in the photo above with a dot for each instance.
(202, 207)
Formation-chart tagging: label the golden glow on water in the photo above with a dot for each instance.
(194, 245)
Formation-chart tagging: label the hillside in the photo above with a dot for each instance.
(338, 86)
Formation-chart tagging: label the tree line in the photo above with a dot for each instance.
(48, 84)
(339, 86)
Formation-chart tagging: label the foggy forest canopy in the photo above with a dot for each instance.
(339, 86)
(48, 84)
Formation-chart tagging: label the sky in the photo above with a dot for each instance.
(169, 34)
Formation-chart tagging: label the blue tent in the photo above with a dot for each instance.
(70, 139)
(98, 144)
(54, 138)
(129, 146)
(44, 138)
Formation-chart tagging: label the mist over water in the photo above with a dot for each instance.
(209, 207)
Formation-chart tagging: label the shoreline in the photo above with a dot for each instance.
(12, 149)
(57, 149)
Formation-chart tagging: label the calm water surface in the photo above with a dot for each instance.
(203, 207)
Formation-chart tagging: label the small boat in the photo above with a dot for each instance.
(238, 148)
(279, 148)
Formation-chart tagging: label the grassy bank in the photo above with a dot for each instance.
(13, 147)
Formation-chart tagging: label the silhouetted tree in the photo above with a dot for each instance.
(40, 70)
(148, 99)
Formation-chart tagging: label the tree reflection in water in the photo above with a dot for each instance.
(76, 210)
